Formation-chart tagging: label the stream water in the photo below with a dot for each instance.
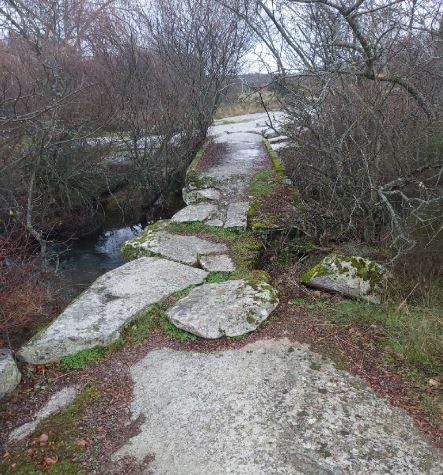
(90, 257)
(85, 259)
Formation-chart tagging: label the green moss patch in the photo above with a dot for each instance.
(133, 249)
(84, 358)
(275, 202)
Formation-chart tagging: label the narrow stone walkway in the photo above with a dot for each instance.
(271, 407)
(218, 182)
(167, 263)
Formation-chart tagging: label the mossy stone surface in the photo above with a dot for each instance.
(352, 276)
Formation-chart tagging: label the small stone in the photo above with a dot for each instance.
(231, 308)
(198, 196)
(10, 375)
(198, 212)
(216, 263)
(278, 139)
(237, 215)
(56, 403)
(217, 223)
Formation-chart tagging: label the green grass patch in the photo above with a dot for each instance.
(275, 201)
(154, 321)
(64, 430)
(84, 358)
(415, 335)
(218, 277)
(263, 183)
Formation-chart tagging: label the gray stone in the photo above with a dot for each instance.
(217, 223)
(10, 376)
(58, 401)
(237, 215)
(231, 308)
(353, 276)
(198, 212)
(278, 139)
(198, 196)
(97, 316)
(216, 263)
(184, 249)
(271, 407)
(279, 146)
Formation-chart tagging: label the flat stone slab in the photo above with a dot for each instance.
(198, 212)
(184, 249)
(97, 316)
(217, 263)
(237, 215)
(10, 375)
(198, 196)
(231, 308)
(271, 407)
(351, 276)
(58, 401)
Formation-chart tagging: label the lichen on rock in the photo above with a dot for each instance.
(352, 276)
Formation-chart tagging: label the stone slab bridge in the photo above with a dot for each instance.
(271, 407)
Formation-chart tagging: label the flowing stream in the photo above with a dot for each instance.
(90, 257)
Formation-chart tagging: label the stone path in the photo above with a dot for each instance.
(223, 187)
(97, 317)
(272, 407)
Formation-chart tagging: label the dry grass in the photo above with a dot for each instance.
(249, 104)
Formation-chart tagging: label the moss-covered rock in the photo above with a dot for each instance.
(136, 247)
(352, 276)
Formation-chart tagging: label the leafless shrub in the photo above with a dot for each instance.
(361, 83)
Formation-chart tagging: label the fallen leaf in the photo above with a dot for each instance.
(43, 439)
(433, 383)
(81, 443)
(50, 461)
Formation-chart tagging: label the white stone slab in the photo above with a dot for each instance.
(198, 212)
(97, 316)
(231, 308)
(271, 407)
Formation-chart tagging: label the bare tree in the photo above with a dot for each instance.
(361, 84)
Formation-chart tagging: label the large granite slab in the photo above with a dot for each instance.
(97, 316)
